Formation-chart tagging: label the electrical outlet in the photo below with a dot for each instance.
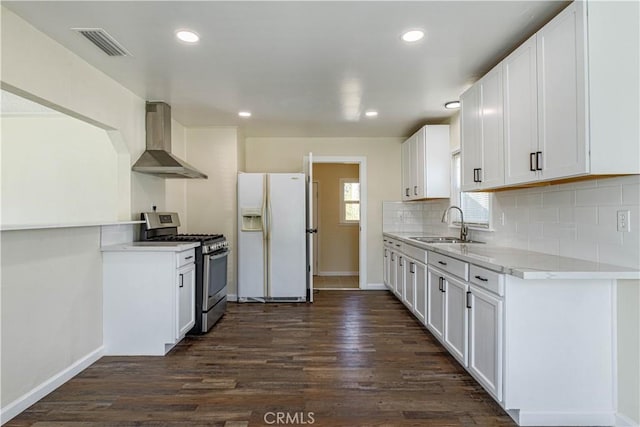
(624, 223)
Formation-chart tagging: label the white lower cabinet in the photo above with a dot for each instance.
(400, 275)
(386, 260)
(485, 340)
(435, 303)
(447, 313)
(420, 304)
(455, 318)
(148, 300)
(409, 284)
(185, 301)
(393, 267)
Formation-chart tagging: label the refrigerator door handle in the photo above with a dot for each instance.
(265, 237)
(264, 211)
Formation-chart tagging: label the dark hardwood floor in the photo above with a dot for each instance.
(353, 358)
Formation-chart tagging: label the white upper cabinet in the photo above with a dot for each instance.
(491, 173)
(482, 133)
(562, 140)
(521, 113)
(407, 166)
(471, 156)
(570, 102)
(426, 164)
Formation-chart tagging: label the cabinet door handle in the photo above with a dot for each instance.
(182, 280)
(406, 192)
(442, 263)
(479, 175)
(412, 268)
(385, 253)
(468, 299)
(189, 257)
(532, 157)
(393, 258)
(415, 190)
(475, 175)
(440, 284)
(482, 279)
(442, 288)
(400, 261)
(538, 160)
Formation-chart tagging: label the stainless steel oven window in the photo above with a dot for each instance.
(215, 277)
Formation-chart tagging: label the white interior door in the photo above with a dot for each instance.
(308, 170)
(315, 226)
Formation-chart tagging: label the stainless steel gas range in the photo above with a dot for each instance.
(211, 264)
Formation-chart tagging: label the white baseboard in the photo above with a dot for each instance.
(624, 421)
(338, 273)
(23, 402)
(232, 297)
(526, 418)
(376, 287)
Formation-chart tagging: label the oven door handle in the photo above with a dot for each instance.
(220, 255)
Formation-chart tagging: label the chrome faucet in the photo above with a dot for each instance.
(464, 230)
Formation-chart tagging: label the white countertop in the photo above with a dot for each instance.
(151, 247)
(522, 263)
(18, 227)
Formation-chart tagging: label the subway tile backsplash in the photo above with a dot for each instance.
(577, 220)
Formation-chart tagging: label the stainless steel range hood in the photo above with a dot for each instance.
(157, 159)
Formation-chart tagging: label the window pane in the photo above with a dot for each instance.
(476, 207)
(352, 211)
(352, 191)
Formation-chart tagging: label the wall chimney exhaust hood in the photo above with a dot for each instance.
(157, 159)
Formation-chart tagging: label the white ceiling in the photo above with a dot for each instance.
(303, 68)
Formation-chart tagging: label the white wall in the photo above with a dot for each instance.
(211, 203)
(383, 175)
(57, 169)
(176, 189)
(38, 68)
(51, 305)
(629, 349)
(52, 299)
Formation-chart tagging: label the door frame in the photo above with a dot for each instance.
(362, 176)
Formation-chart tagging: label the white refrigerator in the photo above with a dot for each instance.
(271, 237)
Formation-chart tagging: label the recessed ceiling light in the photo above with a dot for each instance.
(371, 113)
(187, 36)
(244, 114)
(413, 36)
(452, 104)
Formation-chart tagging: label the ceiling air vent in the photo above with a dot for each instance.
(103, 41)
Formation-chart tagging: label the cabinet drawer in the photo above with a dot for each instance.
(487, 279)
(415, 253)
(396, 245)
(450, 265)
(186, 257)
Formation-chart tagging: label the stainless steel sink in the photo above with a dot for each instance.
(440, 239)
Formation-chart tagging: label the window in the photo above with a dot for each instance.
(349, 201)
(476, 206)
